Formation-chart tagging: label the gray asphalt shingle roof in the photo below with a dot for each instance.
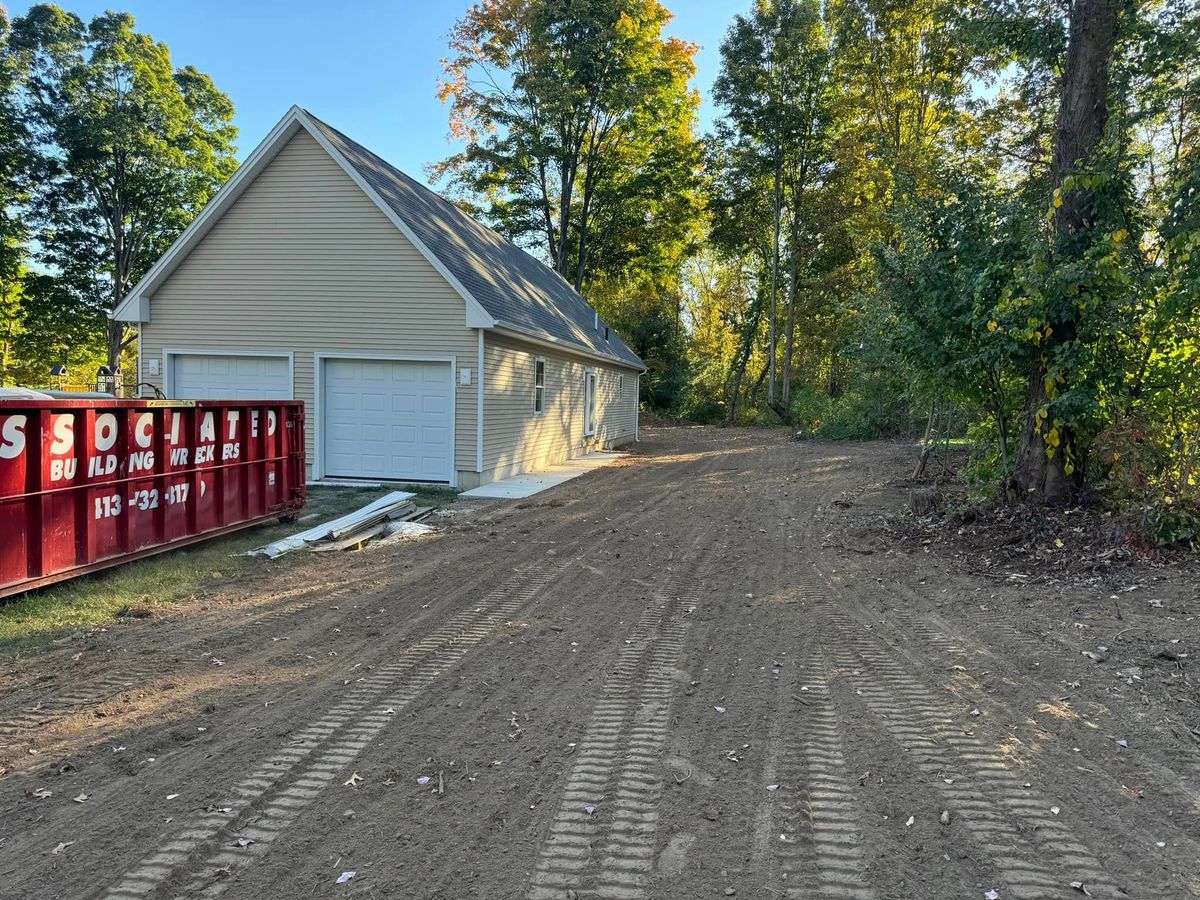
(511, 285)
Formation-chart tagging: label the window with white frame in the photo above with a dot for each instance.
(589, 403)
(620, 387)
(539, 386)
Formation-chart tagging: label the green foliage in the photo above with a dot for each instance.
(127, 150)
(577, 118)
(578, 123)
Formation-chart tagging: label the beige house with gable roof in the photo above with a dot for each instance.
(425, 346)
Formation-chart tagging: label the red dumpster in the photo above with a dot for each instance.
(86, 484)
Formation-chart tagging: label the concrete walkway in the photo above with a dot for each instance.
(520, 486)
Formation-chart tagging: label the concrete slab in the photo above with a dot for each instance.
(520, 486)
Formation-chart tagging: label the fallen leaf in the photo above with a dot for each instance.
(80, 798)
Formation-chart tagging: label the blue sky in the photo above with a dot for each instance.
(368, 67)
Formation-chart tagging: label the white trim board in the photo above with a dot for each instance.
(319, 358)
(479, 408)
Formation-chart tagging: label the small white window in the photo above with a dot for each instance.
(620, 387)
(589, 403)
(539, 386)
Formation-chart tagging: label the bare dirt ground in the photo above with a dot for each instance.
(703, 671)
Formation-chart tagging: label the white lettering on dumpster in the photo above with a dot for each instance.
(12, 437)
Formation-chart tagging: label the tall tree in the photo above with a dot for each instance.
(1049, 465)
(14, 165)
(577, 117)
(775, 88)
(130, 148)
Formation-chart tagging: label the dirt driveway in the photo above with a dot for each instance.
(676, 677)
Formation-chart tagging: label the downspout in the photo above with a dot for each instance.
(637, 408)
(479, 409)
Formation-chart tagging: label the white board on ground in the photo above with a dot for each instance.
(296, 541)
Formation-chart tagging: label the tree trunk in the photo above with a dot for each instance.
(115, 344)
(1044, 472)
(789, 338)
(772, 339)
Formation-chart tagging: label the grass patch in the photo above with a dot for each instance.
(434, 495)
(91, 601)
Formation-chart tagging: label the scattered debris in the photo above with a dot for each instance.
(61, 847)
(353, 781)
(377, 519)
(245, 842)
(80, 799)
(345, 876)
(911, 820)
(944, 818)
(1081, 887)
(423, 779)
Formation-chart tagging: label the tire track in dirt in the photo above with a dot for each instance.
(190, 849)
(1010, 823)
(951, 642)
(821, 840)
(281, 788)
(619, 758)
(106, 686)
(98, 690)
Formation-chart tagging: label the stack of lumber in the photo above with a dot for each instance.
(379, 518)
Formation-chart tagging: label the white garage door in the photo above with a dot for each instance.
(196, 376)
(388, 419)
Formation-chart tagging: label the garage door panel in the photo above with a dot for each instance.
(434, 435)
(216, 376)
(400, 419)
(404, 434)
(344, 400)
(435, 405)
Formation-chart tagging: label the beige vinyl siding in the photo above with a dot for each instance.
(304, 262)
(516, 439)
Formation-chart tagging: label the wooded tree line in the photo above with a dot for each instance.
(972, 218)
(107, 151)
(911, 215)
